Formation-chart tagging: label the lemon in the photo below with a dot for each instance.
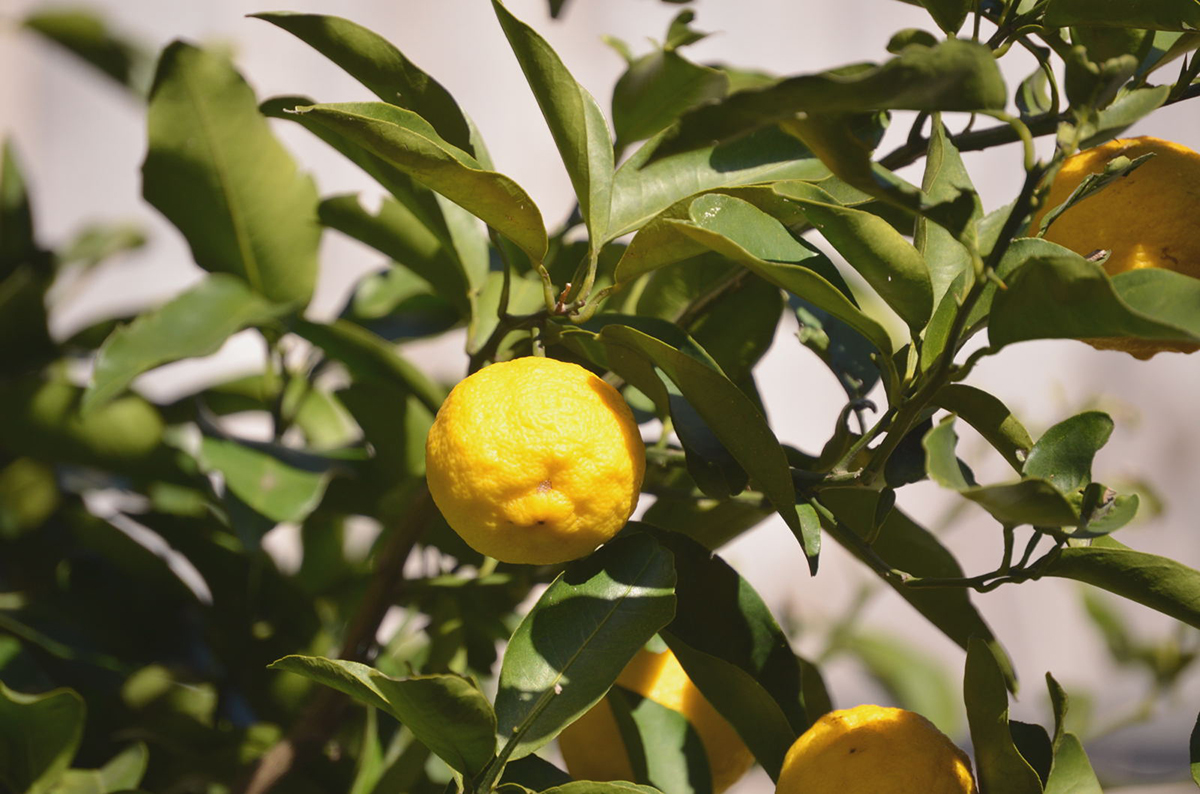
(592, 747)
(1145, 220)
(535, 461)
(875, 750)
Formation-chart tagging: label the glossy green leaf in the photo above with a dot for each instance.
(671, 750)
(907, 546)
(1152, 14)
(733, 650)
(409, 143)
(1063, 455)
(954, 75)
(1066, 297)
(998, 764)
(376, 63)
(401, 235)
(733, 418)
(87, 36)
(941, 462)
(990, 417)
(571, 646)
(122, 773)
(1031, 501)
(949, 14)
(216, 171)
(657, 88)
(738, 231)
(739, 328)
(17, 243)
(643, 188)
(575, 120)
(1128, 108)
(369, 358)
(195, 323)
(38, 737)
(1157, 582)
(278, 483)
(1071, 773)
(889, 263)
(447, 712)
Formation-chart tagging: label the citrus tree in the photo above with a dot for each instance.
(610, 355)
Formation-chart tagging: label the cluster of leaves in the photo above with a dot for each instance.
(132, 566)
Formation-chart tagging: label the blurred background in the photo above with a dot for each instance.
(82, 140)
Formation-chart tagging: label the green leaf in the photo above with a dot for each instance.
(575, 122)
(889, 263)
(949, 14)
(1064, 296)
(847, 353)
(122, 773)
(1157, 582)
(534, 773)
(954, 75)
(941, 462)
(658, 87)
(369, 358)
(216, 171)
(87, 36)
(909, 547)
(39, 735)
(998, 764)
(737, 655)
(643, 188)
(990, 418)
(1127, 108)
(397, 304)
(1071, 773)
(571, 646)
(731, 415)
(1152, 14)
(447, 713)
(398, 233)
(408, 142)
(1063, 455)
(591, 787)
(672, 750)
(278, 483)
(1194, 752)
(17, 243)
(195, 323)
(97, 242)
(1093, 183)
(376, 63)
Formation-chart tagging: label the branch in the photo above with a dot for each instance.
(321, 718)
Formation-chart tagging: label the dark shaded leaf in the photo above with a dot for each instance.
(447, 713)
(998, 764)
(87, 36)
(1153, 14)
(1033, 743)
(216, 171)
(38, 737)
(954, 75)
(195, 323)
(17, 243)
(1194, 752)
(571, 646)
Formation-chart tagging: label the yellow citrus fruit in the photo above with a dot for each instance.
(875, 750)
(592, 746)
(535, 461)
(1146, 219)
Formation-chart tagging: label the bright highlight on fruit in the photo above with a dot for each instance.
(875, 750)
(592, 746)
(535, 461)
(1146, 219)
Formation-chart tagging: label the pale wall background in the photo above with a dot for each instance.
(82, 141)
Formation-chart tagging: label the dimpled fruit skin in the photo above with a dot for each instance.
(535, 460)
(1147, 219)
(875, 750)
(592, 747)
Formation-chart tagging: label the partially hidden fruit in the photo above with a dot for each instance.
(875, 750)
(1146, 219)
(535, 461)
(592, 746)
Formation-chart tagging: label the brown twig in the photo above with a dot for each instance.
(322, 716)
